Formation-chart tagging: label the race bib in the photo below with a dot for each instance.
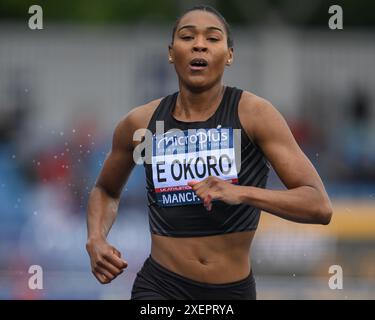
(195, 154)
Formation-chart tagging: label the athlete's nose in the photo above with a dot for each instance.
(199, 45)
(199, 49)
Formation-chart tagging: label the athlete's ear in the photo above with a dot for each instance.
(170, 53)
(230, 57)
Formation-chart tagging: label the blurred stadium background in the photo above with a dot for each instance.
(63, 89)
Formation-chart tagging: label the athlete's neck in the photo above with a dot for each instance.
(196, 106)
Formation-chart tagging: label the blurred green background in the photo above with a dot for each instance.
(239, 13)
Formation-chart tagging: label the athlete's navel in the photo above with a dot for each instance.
(203, 261)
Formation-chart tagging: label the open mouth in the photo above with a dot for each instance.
(198, 64)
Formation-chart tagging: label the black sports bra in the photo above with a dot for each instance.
(194, 151)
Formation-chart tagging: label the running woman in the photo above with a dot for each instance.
(205, 196)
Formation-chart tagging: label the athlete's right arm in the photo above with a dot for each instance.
(106, 261)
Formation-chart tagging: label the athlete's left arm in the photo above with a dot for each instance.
(305, 199)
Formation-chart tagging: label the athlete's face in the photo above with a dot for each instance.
(200, 51)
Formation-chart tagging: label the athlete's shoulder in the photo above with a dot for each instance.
(254, 112)
(254, 105)
(136, 119)
(139, 117)
(257, 109)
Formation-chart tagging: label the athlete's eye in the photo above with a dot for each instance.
(186, 37)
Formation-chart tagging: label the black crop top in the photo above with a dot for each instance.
(185, 151)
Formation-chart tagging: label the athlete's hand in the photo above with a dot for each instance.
(214, 188)
(106, 262)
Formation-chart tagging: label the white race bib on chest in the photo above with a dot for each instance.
(195, 154)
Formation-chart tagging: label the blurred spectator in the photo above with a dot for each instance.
(358, 153)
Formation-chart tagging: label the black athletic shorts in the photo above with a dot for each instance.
(155, 282)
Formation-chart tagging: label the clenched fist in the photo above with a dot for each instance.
(106, 262)
(214, 188)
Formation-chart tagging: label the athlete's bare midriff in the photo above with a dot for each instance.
(210, 259)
